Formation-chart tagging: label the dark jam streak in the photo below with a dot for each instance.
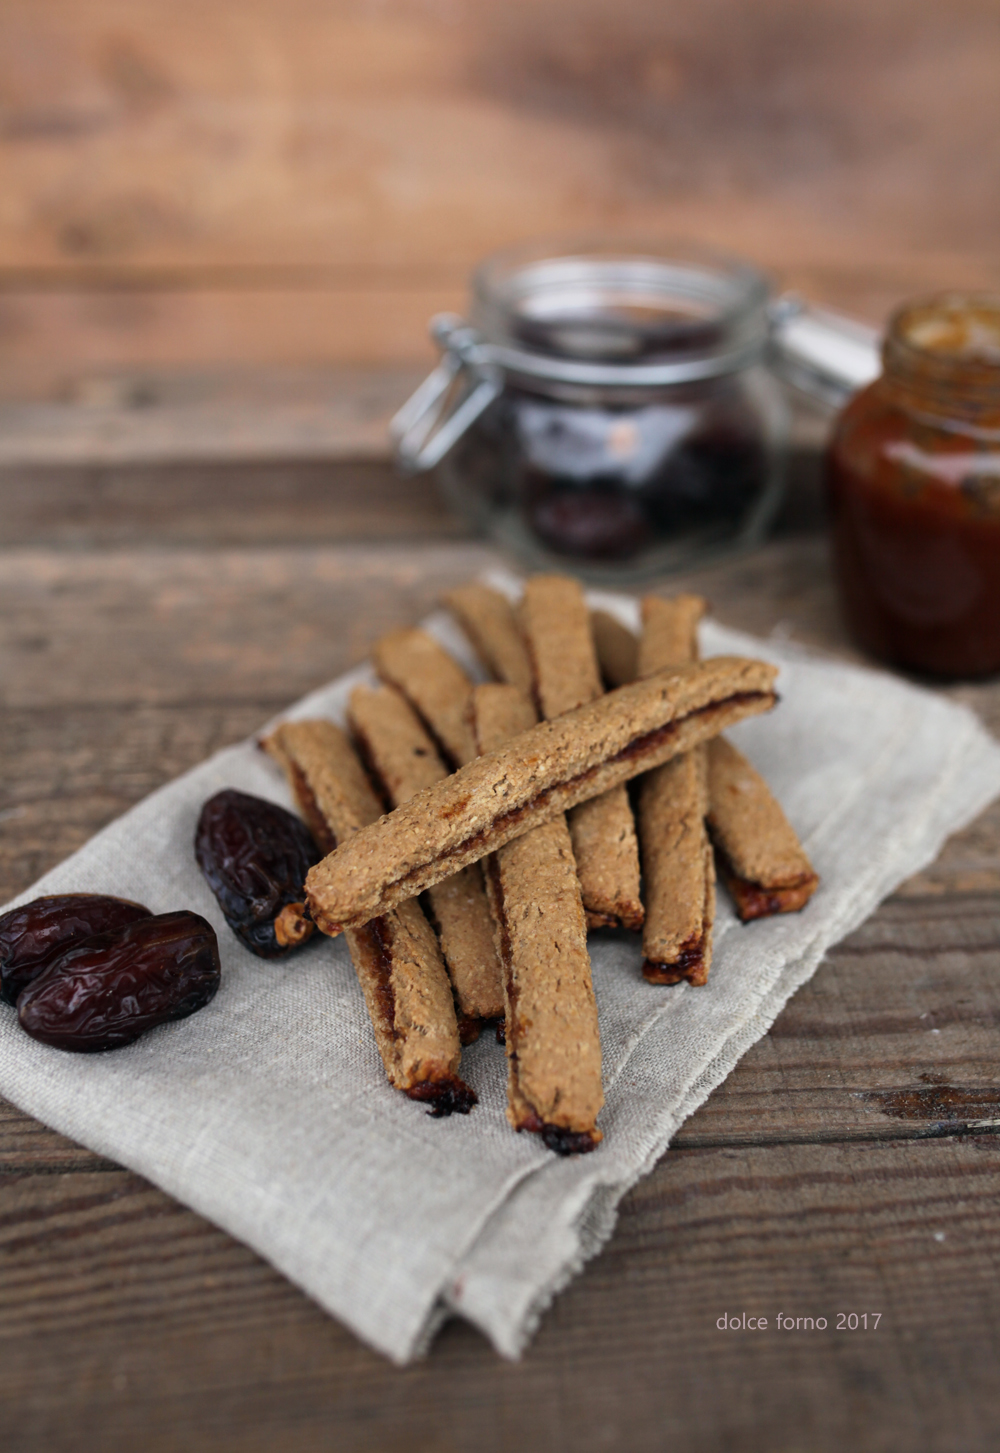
(380, 939)
(753, 900)
(306, 798)
(570, 1142)
(450, 1096)
(689, 964)
(561, 1139)
(469, 1028)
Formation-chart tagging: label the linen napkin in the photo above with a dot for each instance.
(269, 1113)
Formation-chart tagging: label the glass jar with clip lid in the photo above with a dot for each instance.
(613, 408)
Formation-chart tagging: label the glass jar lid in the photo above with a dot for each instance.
(612, 313)
(942, 357)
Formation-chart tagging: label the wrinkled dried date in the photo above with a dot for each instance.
(255, 856)
(35, 934)
(107, 991)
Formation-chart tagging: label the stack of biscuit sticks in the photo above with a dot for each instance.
(475, 833)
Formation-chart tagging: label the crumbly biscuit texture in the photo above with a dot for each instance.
(530, 780)
(556, 625)
(394, 742)
(669, 632)
(677, 860)
(757, 844)
(408, 997)
(553, 1040)
(488, 619)
(566, 674)
(678, 870)
(424, 1021)
(552, 1035)
(461, 914)
(396, 955)
(607, 853)
(405, 760)
(617, 648)
(499, 713)
(434, 683)
(330, 785)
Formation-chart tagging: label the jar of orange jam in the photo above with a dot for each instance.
(913, 472)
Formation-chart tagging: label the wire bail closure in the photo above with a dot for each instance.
(449, 400)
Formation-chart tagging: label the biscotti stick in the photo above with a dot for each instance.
(552, 1036)
(396, 956)
(760, 857)
(488, 619)
(669, 632)
(617, 648)
(434, 684)
(556, 625)
(404, 759)
(678, 870)
(556, 765)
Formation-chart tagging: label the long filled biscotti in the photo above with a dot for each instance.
(552, 767)
(556, 626)
(395, 955)
(761, 860)
(435, 686)
(677, 863)
(552, 1036)
(404, 759)
(488, 619)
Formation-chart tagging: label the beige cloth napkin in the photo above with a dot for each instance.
(269, 1112)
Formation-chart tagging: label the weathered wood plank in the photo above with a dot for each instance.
(209, 626)
(327, 134)
(26, 1146)
(70, 771)
(116, 1299)
(229, 417)
(63, 343)
(203, 504)
(309, 182)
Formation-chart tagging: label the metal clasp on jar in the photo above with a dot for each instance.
(449, 400)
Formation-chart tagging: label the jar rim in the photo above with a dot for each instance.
(620, 311)
(946, 341)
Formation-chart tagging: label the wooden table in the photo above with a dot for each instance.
(849, 1165)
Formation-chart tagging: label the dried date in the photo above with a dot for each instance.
(105, 992)
(34, 935)
(255, 856)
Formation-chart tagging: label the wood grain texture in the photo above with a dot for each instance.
(308, 182)
(124, 1312)
(261, 503)
(848, 1164)
(194, 416)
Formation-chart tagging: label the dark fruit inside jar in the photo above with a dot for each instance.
(606, 484)
(255, 856)
(34, 935)
(593, 524)
(105, 992)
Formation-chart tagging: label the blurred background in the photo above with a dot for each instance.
(298, 184)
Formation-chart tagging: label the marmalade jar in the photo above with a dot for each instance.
(913, 478)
